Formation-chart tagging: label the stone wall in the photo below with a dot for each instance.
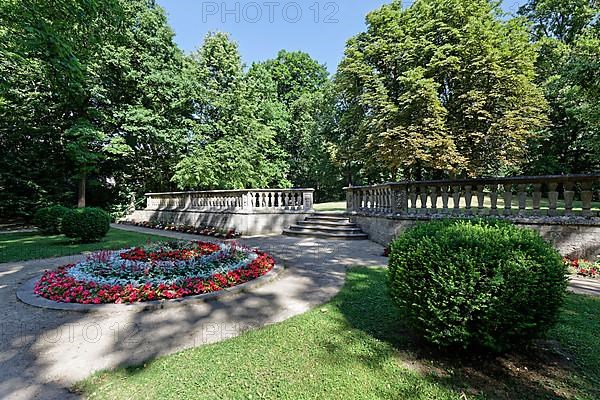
(247, 223)
(572, 237)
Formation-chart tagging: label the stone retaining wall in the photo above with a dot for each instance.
(247, 223)
(573, 237)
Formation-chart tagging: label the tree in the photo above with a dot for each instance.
(46, 50)
(441, 88)
(232, 147)
(301, 86)
(566, 35)
(91, 91)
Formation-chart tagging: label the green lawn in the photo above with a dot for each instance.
(356, 347)
(32, 245)
(333, 206)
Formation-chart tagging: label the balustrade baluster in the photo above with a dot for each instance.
(493, 199)
(433, 195)
(536, 199)
(586, 199)
(569, 195)
(552, 199)
(445, 197)
(413, 198)
(508, 199)
(468, 199)
(522, 196)
(423, 195)
(456, 193)
(480, 199)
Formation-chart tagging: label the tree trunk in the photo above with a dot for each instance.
(81, 196)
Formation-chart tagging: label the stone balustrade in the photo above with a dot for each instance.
(255, 200)
(526, 196)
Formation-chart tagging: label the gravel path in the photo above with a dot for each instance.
(43, 352)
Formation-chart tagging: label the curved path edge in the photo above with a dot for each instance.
(26, 295)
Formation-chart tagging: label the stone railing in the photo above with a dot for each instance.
(255, 200)
(514, 196)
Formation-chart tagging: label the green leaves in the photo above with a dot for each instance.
(476, 283)
(233, 146)
(441, 88)
(567, 38)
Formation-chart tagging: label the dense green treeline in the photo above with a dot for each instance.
(97, 101)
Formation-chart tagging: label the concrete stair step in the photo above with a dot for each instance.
(322, 235)
(326, 229)
(327, 223)
(327, 218)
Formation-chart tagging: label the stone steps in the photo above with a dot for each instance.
(326, 223)
(327, 226)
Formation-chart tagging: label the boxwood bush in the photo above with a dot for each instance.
(48, 219)
(476, 283)
(86, 224)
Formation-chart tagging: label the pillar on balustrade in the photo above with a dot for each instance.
(350, 200)
(399, 199)
(308, 200)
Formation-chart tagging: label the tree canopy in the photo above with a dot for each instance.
(98, 102)
(442, 88)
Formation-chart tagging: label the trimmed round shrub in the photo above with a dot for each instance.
(49, 219)
(476, 283)
(86, 224)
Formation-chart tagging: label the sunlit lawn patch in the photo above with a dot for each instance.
(357, 347)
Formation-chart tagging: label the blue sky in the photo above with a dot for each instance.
(263, 27)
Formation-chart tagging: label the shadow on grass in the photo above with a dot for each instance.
(543, 370)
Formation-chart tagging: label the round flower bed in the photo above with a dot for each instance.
(154, 272)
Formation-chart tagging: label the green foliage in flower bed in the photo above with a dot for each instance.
(86, 224)
(184, 228)
(482, 283)
(48, 219)
(356, 347)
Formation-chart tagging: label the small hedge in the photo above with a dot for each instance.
(476, 284)
(48, 219)
(86, 224)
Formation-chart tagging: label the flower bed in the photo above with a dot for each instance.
(193, 230)
(154, 272)
(585, 268)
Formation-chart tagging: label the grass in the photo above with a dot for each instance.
(333, 206)
(32, 245)
(357, 347)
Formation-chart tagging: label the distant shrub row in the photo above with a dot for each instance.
(85, 224)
